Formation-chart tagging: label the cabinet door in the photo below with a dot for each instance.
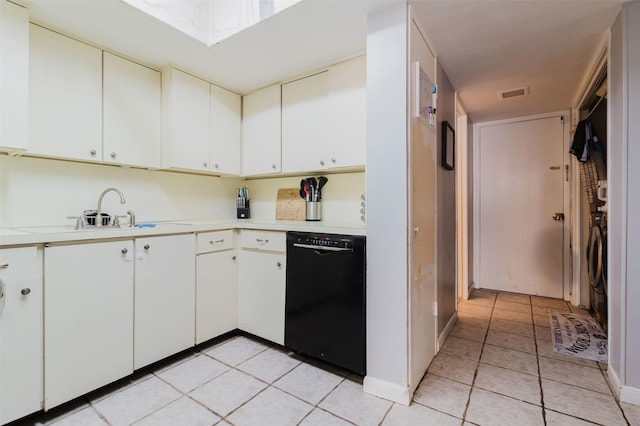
(225, 131)
(14, 79)
(21, 334)
(65, 96)
(164, 297)
(305, 110)
(132, 113)
(261, 132)
(348, 113)
(186, 103)
(88, 317)
(216, 294)
(261, 294)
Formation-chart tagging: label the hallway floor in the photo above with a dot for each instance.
(496, 368)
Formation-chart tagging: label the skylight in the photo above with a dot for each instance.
(211, 21)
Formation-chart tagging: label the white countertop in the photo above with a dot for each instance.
(58, 234)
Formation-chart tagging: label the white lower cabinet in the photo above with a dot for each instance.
(164, 308)
(88, 317)
(21, 333)
(216, 294)
(261, 288)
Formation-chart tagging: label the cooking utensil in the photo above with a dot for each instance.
(90, 217)
(322, 181)
(307, 190)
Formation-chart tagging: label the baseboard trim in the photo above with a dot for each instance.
(614, 380)
(447, 330)
(627, 394)
(387, 390)
(630, 395)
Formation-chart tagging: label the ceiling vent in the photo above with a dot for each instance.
(506, 94)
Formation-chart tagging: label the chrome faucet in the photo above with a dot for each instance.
(99, 212)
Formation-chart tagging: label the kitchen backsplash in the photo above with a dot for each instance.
(340, 196)
(35, 191)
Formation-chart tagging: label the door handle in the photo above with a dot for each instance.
(558, 216)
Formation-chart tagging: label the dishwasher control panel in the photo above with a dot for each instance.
(324, 240)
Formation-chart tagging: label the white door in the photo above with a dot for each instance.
(520, 189)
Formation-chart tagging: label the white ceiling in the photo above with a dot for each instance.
(485, 46)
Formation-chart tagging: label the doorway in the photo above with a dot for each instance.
(521, 201)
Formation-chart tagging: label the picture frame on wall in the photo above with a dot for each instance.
(448, 146)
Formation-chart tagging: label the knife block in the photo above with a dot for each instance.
(243, 212)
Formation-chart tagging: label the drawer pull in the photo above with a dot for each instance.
(124, 251)
(25, 291)
(220, 241)
(261, 241)
(146, 246)
(4, 266)
(279, 264)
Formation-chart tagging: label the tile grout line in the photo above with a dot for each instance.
(475, 373)
(535, 342)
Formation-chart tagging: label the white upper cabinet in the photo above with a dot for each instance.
(348, 113)
(324, 119)
(65, 96)
(132, 113)
(201, 125)
(14, 79)
(186, 104)
(226, 128)
(261, 132)
(305, 111)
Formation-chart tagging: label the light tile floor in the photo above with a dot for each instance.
(496, 368)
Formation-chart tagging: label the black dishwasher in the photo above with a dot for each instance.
(325, 298)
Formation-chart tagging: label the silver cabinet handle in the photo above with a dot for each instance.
(25, 291)
(92, 152)
(4, 266)
(333, 160)
(322, 162)
(205, 164)
(220, 241)
(273, 166)
(261, 241)
(113, 155)
(216, 165)
(124, 251)
(279, 264)
(234, 258)
(146, 246)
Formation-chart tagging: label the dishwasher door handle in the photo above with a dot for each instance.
(319, 248)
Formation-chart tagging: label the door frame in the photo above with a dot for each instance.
(570, 287)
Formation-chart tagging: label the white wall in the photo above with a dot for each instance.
(38, 191)
(35, 191)
(386, 181)
(624, 203)
(446, 226)
(340, 196)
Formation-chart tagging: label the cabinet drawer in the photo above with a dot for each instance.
(263, 240)
(214, 241)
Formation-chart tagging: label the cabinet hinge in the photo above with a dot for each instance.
(435, 309)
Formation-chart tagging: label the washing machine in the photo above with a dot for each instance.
(597, 267)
